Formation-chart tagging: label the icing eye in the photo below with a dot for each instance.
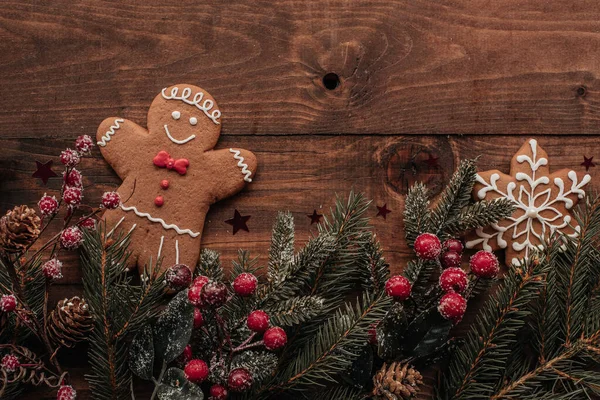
(193, 121)
(176, 114)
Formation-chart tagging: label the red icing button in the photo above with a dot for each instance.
(159, 201)
(164, 184)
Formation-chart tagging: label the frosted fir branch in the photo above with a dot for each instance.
(210, 265)
(417, 218)
(295, 311)
(281, 253)
(479, 215)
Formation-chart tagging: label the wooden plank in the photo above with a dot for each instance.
(406, 67)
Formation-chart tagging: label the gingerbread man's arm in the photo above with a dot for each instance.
(234, 167)
(119, 140)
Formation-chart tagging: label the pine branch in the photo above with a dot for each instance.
(295, 310)
(482, 213)
(281, 253)
(417, 218)
(376, 271)
(209, 265)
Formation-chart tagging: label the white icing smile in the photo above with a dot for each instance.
(184, 141)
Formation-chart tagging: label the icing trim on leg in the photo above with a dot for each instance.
(109, 234)
(176, 252)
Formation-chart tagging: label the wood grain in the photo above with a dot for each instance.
(406, 67)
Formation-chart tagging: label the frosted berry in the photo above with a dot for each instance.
(9, 363)
(218, 392)
(453, 245)
(372, 333)
(111, 200)
(48, 205)
(245, 284)
(398, 287)
(52, 269)
(69, 158)
(200, 281)
(214, 294)
(196, 371)
(187, 354)
(198, 318)
(258, 321)
(88, 223)
(194, 295)
(66, 392)
(72, 195)
(451, 259)
(239, 380)
(8, 303)
(453, 279)
(71, 238)
(178, 277)
(484, 264)
(452, 306)
(275, 338)
(427, 246)
(84, 144)
(74, 178)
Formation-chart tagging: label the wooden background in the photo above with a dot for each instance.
(418, 79)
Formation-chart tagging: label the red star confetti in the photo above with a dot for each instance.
(587, 163)
(383, 211)
(44, 171)
(238, 222)
(315, 218)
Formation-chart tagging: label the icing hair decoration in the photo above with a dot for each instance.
(196, 100)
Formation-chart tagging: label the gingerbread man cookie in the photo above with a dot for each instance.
(543, 203)
(172, 174)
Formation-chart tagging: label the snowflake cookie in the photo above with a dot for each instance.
(543, 203)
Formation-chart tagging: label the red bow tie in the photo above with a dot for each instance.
(164, 160)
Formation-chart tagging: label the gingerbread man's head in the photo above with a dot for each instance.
(186, 115)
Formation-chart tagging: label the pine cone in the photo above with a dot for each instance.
(69, 322)
(19, 228)
(399, 381)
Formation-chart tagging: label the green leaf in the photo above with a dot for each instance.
(435, 337)
(175, 386)
(173, 329)
(141, 354)
(420, 329)
(390, 333)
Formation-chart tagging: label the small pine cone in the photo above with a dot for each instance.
(19, 228)
(398, 381)
(69, 322)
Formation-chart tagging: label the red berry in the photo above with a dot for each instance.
(198, 318)
(9, 363)
(258, 321)
(88, 223)
(451, 259)
(196, 371)
(84, 144)
(200, 281)
(275, 338)
(178, 277)
(70, 158)
(453, 245)
(48, 205)
(71, 238)
(159, 201)
(398, 287)
(484, 264)
(111, 200)
(452, 306)
(66, 392)
(8, 303)
(214, 294)
(427, 246)
(72, 195)
(245, 284)
(372, 333)
(164, 184)
(453, 279)
(73, 179)
(239, 380)
(194, 295)
(218, 392)
(52, 269)
(187, 354)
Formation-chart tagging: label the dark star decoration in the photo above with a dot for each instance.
(383, 211)
(44, 171)
(588, 163)
(238, 222)
(432, 161)
(315, 218)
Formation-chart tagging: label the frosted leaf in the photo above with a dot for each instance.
(174, 327)
(141, 354)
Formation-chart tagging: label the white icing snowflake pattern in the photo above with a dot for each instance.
(542, 204)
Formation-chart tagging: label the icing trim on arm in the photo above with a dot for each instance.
(185, 95)
(160, 221)
(242, 165)
(110, 132)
